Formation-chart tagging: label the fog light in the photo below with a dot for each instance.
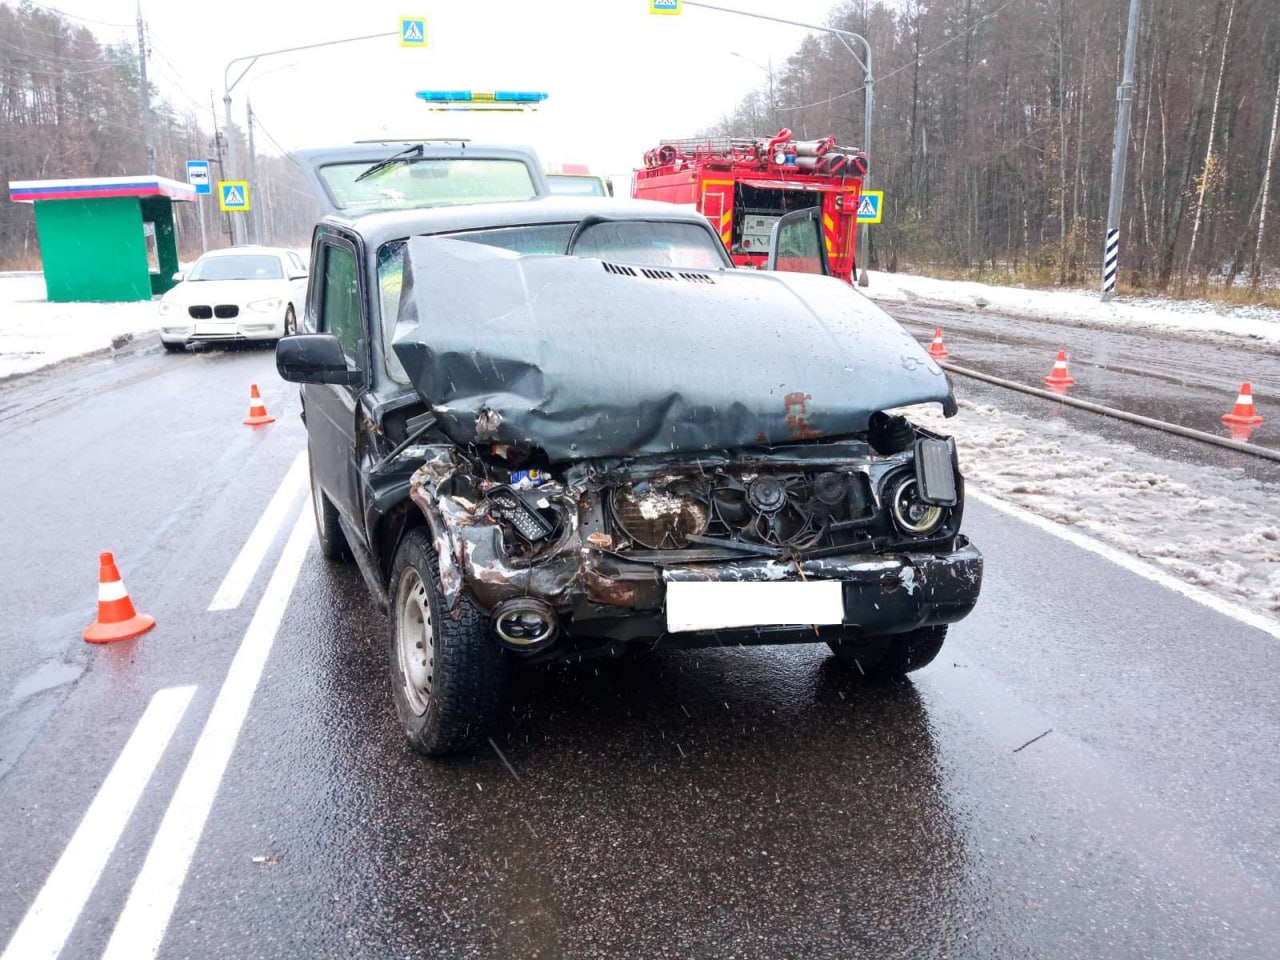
(525, 624)
(912, 515)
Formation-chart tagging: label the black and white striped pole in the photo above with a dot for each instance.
(1119, 152)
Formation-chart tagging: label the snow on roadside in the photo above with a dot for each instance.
(1210, 526)
(1196, 317)
(35, 333)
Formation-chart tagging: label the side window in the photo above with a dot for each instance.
(340, 302)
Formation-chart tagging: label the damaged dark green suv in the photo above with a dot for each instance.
(556, 428)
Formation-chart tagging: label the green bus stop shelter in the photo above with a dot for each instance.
(105, 238)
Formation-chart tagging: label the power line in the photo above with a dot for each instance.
(72, 16)
(48, 56)
(910, 63)
(288, 155)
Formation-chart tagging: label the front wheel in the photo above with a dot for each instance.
(333, 542)
(892, 655)
(290, 321)
(447, 676)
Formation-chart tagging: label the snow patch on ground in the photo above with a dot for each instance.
(35, 333)
(1195, 317)
(1212, 527)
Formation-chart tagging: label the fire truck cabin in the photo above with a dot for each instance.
(743, 186)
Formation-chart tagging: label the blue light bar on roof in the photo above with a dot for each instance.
(471, 96)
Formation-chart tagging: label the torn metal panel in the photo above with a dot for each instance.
(561, 354)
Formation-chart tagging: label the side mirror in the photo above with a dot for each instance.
(297, 276)
(314, 358)
(180, 276)
(797, 244)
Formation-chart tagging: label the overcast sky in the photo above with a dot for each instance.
(619, 78)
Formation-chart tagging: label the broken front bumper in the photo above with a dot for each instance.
(886, 593)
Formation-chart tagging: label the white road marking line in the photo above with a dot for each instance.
(246, 564)
(146, 914)
(1142, 568)
(51, 917)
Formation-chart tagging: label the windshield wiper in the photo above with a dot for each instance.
(402, 157)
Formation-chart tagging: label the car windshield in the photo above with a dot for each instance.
(413, 183)
(237, 267)
(574, 186)
(641, 242)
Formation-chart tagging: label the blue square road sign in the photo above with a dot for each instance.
(198, 176)
(413, 32)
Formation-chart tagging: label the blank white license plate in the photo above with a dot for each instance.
(213, 328)
(722, 605)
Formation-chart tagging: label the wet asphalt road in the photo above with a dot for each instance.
(1167, 376)
(731, 803)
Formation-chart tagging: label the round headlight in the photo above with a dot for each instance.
(912, 515)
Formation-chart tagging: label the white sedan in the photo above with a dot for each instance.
(237, 294)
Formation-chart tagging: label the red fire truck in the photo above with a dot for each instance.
(743, 186)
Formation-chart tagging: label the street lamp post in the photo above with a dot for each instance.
(868, 83)
(228, 85)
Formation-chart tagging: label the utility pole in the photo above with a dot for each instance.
(1119, 154)
(216, 145)
(233, 167)
(254, 219)
(145, 93)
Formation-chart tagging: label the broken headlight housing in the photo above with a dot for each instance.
(910, 513)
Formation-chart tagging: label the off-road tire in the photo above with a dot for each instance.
(469, 668)
(333, 542)
(891, 655)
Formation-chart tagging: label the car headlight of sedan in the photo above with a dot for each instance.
(269, 305)
(168, 309)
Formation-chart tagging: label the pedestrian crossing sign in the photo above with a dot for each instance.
(233, 196)
(871, 206)
(413, 32)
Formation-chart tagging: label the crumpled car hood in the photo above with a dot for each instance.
(590, 359)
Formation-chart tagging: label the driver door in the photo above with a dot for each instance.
(337, 308)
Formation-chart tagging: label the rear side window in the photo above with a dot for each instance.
(340, 301)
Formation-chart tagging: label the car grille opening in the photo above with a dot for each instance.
(225, 311)
(200, 313)
(780, 510)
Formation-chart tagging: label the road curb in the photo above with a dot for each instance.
(122, 345)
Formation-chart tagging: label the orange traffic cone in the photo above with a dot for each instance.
(117, 620)
(938, 348)
(257, 409)
(1243, 413)
(1058, 376)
